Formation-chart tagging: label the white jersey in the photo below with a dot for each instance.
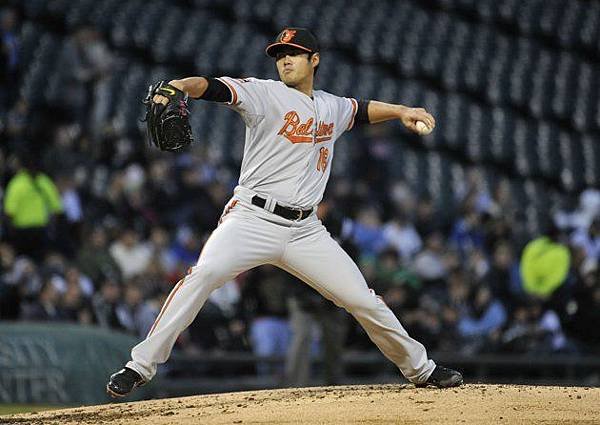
(289, 138)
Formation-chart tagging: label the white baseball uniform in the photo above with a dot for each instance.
(287, 154)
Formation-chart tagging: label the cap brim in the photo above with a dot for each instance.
(272, 49)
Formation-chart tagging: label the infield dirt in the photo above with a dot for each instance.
(371, 404)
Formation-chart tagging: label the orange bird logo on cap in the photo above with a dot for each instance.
(287, 36)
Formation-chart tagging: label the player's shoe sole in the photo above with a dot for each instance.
(113, 394)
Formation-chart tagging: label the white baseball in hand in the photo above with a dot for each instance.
(423, 128)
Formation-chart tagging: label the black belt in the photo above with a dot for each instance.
(289, 213)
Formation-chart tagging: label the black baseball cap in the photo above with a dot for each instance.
(300, 38)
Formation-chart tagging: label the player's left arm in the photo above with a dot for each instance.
(374, 112)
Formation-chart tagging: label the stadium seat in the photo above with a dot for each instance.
(591, 156)
(548, 149)
(572, 174)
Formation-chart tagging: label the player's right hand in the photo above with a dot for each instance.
(410, 117)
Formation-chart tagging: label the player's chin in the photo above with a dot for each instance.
(288, 77)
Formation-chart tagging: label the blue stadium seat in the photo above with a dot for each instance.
(456, 111)
(581, 115)
(103, 14)
(148, 26)
(571, 151)
(591, 156)
(477, 134)
(123, 21)
(501, 137)
(564, 86)
(548, 149)
(498, 72)
(539, 102)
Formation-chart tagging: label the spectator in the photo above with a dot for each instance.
(46, 306)
(455, 307)
(10, 293)
(402, 235)
(477, 264)
(105, 303)
(429, 263)
(74, 277)
(467, 233)
(545, 264)
(583, 309)
(426, 220)
(95, 260)
(161, 252)
(149, 310)
(17, 121)
(367, 232)
(389, 271)
(186, 247)
(9, 57)
(264, 304)
(582, 217)
(132, 255)
(485, 316)
(502, 277)
(75, 306)
(534, 330)
(31, 204)
(129, 310)
(588, 239)
(502, 204)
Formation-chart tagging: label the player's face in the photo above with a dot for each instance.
(295, 65)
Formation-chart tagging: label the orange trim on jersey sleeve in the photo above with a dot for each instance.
(234, 96)
(354, 111)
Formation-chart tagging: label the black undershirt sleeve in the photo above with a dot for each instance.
(216, 91)
(362, 116)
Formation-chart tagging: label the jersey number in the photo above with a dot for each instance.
(323, 158)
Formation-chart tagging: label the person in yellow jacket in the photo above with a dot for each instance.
(545, 264)
(31, 201)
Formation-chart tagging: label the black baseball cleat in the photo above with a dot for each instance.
(442, 377)
(123, 382)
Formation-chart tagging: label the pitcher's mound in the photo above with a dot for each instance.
(371, 404)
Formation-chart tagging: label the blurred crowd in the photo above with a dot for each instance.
(97, 228)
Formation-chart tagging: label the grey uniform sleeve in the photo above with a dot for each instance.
(347, 107)
(248, 96)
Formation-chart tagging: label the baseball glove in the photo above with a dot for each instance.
(168, 125)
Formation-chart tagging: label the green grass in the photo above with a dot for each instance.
(10, 409)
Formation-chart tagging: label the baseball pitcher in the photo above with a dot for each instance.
(291, 131)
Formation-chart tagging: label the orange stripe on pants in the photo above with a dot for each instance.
(169, 298)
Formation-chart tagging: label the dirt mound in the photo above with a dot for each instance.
(374, 404)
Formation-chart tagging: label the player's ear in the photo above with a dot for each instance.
(315, 59)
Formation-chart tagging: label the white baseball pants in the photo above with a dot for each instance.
(249, 236)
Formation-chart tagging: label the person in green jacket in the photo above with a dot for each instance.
(31, 202)
(545, 264)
